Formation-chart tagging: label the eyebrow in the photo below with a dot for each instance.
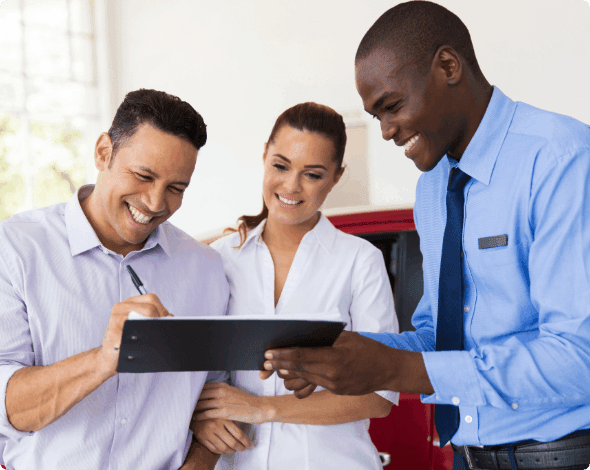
(306, 166)
(155, 175)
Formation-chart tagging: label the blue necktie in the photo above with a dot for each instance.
(449, 326)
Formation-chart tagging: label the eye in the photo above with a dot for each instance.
(392, 108)
(314, 176)
(375, 117)
(280, 166)
(176, 190)
(141, 177)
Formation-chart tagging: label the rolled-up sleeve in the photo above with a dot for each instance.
(16, 349)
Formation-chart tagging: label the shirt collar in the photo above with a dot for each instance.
(82, 236)
(254, 234)
(324, 232)
(480, 156)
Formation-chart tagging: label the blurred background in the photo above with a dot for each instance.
(65, 66)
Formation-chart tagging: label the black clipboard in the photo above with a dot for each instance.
(176, 345)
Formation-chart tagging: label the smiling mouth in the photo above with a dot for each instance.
(290, 202)
(410, 143)
(139, 216)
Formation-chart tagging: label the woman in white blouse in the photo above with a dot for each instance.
(291, 260)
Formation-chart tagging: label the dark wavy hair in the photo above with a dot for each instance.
(311, 117)
(165, 112)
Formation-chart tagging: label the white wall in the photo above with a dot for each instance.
(240, 64)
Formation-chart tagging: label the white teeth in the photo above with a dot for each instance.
(410, 143)
(288, 201)
(139, 217)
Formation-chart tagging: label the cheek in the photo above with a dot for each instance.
(174, 201)
(269, 182)
(318, 192)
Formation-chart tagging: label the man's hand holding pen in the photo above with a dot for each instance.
(147, 305)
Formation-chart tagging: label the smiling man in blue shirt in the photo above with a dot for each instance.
(502, 331)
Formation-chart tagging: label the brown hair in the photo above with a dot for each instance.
(310, 117)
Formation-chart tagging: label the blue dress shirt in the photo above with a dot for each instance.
(524, 373)
(58, 285)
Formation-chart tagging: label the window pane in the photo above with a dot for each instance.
(81, 16)
(12, 94)
(11, 41)
(12, 188)
(47, 53)
(58, 162)
(82, 59)
(60, 98)
(52, 14)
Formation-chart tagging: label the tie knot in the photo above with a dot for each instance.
(457, 180)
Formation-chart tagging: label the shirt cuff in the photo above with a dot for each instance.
(393, 397)
(453, 377)
(6, 429)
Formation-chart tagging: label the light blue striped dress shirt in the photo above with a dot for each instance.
(57, 287)
(525, 371)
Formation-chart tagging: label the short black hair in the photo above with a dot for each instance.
(415, 30)
(165, 112)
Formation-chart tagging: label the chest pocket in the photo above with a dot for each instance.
(510, 254)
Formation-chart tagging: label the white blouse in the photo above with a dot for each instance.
(331, 270)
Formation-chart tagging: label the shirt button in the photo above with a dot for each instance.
(468, 419)
(455, 400)
(466, 308)
(514, 406)
(124, 421)
(437, 397)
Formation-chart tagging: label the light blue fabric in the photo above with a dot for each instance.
(525, 371)
(58, 285)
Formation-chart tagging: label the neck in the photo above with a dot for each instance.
(287, 237)
(476, 98)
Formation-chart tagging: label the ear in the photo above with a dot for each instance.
(339, 174)
(448, 64)
(103, 152)
(264, 153)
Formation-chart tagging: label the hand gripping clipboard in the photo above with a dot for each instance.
(215, 343)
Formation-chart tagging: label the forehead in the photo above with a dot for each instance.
(302, 145)
(384, 72)
(159, 151)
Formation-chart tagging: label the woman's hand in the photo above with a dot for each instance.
(220, 436)
(220, 400)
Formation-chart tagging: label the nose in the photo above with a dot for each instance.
(292, 182)
(155, 199)
(388, 129)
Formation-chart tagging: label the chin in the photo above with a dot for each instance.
(426, 166)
